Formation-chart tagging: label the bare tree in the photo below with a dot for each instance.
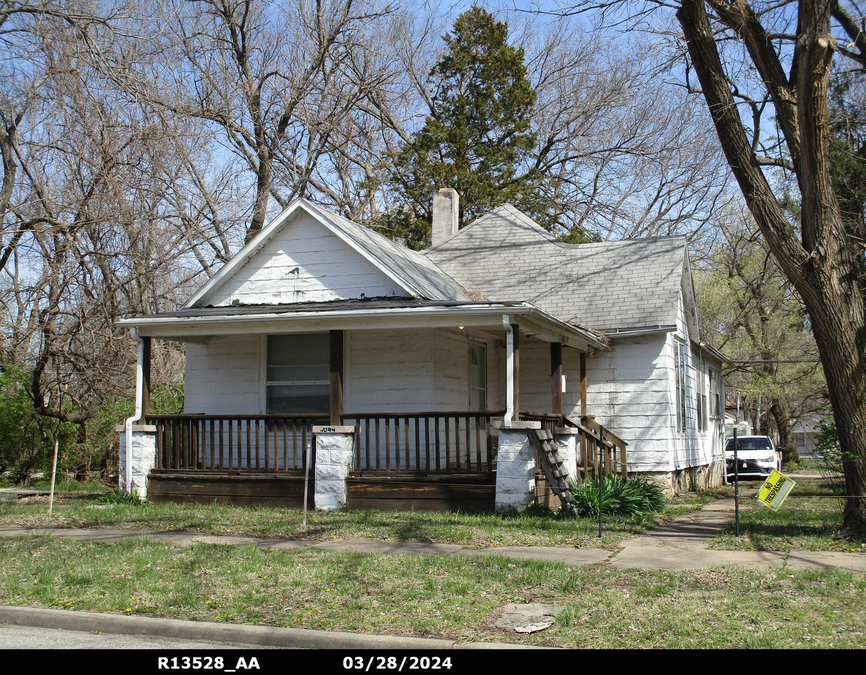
(753, 314)
(628, 151)
(820, 260)
(276, 80)
(98, 219)
(763, 69)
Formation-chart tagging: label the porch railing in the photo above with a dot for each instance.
(614, 458)
(233, 442)
(440, 442)
(434, 442)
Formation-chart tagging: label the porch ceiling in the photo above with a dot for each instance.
(199, 324)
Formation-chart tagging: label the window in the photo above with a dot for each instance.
(715, 405)
(298, 379)
(477, 376)
(680, 375)
(702, 396)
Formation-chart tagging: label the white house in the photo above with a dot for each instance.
(422, 355)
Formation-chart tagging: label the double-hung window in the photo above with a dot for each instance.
(702, 396)
(680, 375)
(298, 379)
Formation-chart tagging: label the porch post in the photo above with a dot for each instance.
(515, 467)
(583, 412)
(516, 329)
(335, 456)
(145, 369)
(336, 391)
(556, 377)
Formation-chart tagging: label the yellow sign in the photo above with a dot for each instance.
(774, 491)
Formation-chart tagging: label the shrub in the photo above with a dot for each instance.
(121, 498)
(620, 496)
(26, 440)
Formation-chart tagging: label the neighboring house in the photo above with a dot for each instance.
(423, 354)
(805, 434)
(732, 421)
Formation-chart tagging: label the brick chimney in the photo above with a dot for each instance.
(446, 215)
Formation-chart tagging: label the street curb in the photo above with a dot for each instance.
(262, 636)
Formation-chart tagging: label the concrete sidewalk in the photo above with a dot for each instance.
(679, 545)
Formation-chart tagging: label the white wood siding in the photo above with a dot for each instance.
(451, 370)
(389, 371)
(535, 377)
(385, 371)
(224, 376)
(304, 262)
(629, 391)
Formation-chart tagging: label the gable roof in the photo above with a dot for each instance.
(620, 285)
(418, 276)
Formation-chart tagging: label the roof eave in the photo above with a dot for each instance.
(480, 315)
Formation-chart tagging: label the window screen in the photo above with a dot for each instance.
(298, 373)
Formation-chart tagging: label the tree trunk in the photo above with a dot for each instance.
(782, 416)
(823, 268)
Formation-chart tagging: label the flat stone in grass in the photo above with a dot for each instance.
(527, 618)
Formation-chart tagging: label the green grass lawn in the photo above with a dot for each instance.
(456, 597)
(476, 530)
(807, 520)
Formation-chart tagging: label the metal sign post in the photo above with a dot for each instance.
(600, 474)
(736, 483)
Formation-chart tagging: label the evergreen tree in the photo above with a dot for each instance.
(477, 139)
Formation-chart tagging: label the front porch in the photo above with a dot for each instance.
(260, 383)
(420, 461)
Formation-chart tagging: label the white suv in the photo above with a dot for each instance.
(757, 457)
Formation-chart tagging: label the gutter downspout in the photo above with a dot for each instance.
(139, 388)
(509, 370)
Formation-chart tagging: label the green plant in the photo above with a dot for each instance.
(620, 496)
(26, 439)
(121, 498)
(104, 441)
(827, 447)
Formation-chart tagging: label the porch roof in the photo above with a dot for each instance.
(195, 324)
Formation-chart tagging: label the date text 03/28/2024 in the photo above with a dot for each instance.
(399, 664)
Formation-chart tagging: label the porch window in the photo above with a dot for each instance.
(477, 376)
(298, 373)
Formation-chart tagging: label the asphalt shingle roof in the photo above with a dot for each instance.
(505, 256)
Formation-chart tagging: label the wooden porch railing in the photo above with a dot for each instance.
(614, 459)
(549, 421)
(435, 442)
(232, 442)
(440, 442)
(614, 456)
